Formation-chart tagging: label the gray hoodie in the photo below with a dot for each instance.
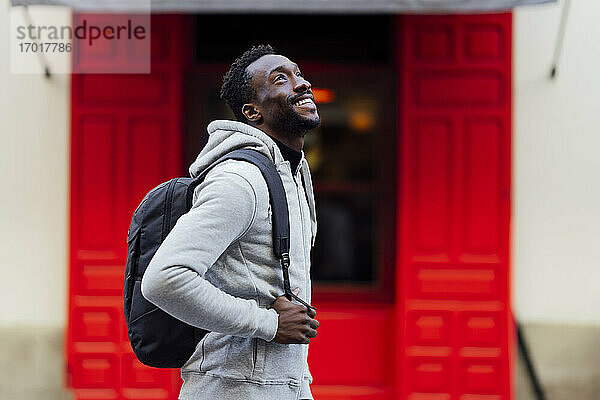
(216, 270)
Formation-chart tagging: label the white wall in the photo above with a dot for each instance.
(556, 177)
(34, 132)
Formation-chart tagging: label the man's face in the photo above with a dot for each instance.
(283, 98)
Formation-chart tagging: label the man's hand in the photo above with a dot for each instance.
(296, 322)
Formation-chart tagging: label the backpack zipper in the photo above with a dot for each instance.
(167, 216)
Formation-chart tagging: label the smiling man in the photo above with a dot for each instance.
(216, 269)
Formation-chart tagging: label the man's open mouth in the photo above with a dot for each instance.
(304, 101)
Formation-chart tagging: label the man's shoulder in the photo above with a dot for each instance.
(234, 179)
(238, 169)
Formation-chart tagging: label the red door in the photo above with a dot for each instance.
(125, 139)
(445, 336)
(453, 299)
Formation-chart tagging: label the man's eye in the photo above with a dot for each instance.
(300, 74)
(280, 76)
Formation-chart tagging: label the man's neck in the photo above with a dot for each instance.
(292, 156)
(293, 142)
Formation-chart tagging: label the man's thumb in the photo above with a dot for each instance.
(296, 291)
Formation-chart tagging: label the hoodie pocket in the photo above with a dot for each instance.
(281, 361)
(259, 355)
(239, 362)
(214, 350)
(230, 356)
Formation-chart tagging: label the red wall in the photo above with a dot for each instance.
(446, 336)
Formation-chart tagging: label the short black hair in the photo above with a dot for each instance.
(236, 89)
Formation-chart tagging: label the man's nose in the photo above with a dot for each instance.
(301, 85)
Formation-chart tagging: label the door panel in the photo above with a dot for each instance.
(353, 347)
(453, 307)
(125, 139)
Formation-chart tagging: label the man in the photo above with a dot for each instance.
(216, 269)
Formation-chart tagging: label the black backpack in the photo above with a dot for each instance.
(157, 338)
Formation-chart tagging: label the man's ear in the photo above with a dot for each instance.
(251, 113)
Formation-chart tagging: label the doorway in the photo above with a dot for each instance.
(352, 153)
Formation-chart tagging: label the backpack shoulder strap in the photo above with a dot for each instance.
(279, 206)
(277, 197)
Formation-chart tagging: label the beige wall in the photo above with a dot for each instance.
(556, 178)
(34, 128)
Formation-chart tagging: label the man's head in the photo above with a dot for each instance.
(268, 91)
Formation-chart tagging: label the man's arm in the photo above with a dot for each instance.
(174, 280)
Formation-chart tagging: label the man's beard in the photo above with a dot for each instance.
(293, 124)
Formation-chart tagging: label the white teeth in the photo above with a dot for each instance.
(303, 101)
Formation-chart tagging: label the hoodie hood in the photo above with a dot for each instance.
(226, 136)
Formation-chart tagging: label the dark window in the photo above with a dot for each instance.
(310, 38)
(352, 153)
